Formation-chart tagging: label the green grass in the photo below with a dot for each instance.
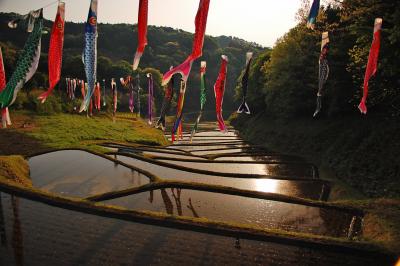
(381, 223)
(15, 168)
(74, 131)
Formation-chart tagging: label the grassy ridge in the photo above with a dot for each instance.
(31, 133)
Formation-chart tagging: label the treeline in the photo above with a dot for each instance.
(364, 151)
(284, 80)
(116, 47)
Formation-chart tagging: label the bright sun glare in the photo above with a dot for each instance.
(267, 185)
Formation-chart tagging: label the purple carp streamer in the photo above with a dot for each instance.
(312, 17)
(90, 53)
(128, 84)
(243, 106)
(28, 61)
(150, 97)
(323, 71)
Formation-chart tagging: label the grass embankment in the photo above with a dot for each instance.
(31, 133)
(360, 155)
(16, 169)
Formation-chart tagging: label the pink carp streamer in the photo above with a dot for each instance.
(372, 65)
(219, 90)
(198, 41)
(5, 116)
(142, 32)
(55, 51)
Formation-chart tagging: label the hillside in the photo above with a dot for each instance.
(362, 150)
(116, 47)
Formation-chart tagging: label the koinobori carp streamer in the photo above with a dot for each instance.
(372, 65)
(114, 93)
(243, 106)
(203, 97)
(142, 31)
(323, 71)
(168, 94)
(179, 111)
(219, 90)
(55, 51)
(5, 116)
(28, 61)
(150, 98)
(312, 16)
(90, 53)
(198, 41)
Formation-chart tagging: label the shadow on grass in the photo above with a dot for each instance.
(14, 142)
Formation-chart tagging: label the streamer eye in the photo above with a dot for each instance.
(60, 26)
(92, 21)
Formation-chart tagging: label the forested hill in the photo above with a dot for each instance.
(364, 150)
(116, 47)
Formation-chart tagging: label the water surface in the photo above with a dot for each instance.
(305, 189)
(80, 174)
(265, 214)
(33, 233)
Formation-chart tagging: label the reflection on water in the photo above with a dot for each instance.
(264, 213)
(170, 155)
(267, 185)
(3, 238)
(210, 148)
(289, 170)
(270, 158)
(17, 241)
(81, 174)
(54, 236)
(303, 189)
(208, 141)
(216, 152)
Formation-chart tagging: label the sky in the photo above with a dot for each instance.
(260, 21)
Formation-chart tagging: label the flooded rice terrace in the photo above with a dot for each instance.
(216, 177)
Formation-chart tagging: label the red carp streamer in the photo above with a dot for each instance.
(83, 91)
(372, 63)
(97, 96)
(55, 51)
(142, 31)
(5, 116)
(198, 41)
(219, 89)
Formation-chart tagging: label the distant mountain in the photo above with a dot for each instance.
(117, 44)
